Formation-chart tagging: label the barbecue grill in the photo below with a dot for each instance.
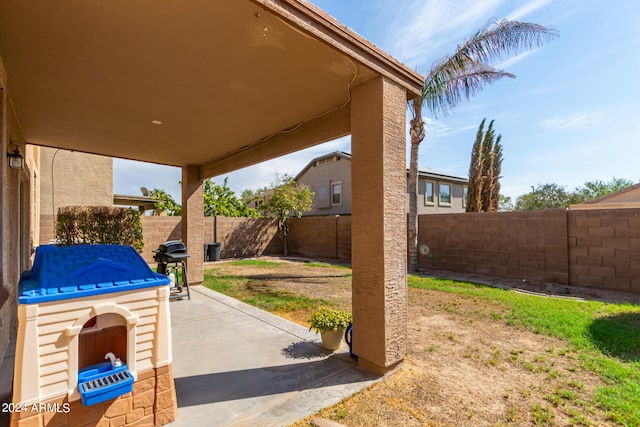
(170, 257)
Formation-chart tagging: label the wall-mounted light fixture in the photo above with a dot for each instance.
(16, 160)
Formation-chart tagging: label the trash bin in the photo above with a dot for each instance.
(212, 251)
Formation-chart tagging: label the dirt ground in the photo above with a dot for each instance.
(465, 366)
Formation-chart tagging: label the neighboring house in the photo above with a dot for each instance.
(626, 198)
(329, 177)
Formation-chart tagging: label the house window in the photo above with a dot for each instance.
(322, 195)
(465, 192)
(336, 193)
(445, 194)
(428, 193)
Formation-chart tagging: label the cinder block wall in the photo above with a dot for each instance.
(344, 238)
(604, 248)
(595, 248)
(47, 229)
(245, 237)
(529, 245)
(321, 236)
(240, 237)
(159, 229)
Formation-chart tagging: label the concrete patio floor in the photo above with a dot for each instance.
(236, 365)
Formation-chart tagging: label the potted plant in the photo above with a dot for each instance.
(330, 324)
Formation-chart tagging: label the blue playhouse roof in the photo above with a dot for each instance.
(67, 272)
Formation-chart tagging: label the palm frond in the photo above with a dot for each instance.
(467, 70)
(497, 39)
(445, 86)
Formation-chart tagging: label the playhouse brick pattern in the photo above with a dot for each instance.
(151, 403)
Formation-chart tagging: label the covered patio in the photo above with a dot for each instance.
(212, 87)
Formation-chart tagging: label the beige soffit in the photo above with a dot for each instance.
(217, 83)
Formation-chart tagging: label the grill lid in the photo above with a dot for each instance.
(172, 246)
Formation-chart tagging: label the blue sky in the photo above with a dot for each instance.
(572, 114)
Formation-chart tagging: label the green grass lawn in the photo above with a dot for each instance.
(605, 336)
(255, 293)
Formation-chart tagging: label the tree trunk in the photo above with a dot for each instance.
(417, 135)
(285, 231)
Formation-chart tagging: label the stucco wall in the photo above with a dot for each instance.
(62, 171)
(335, 170)
(457, 204)
(17, 195)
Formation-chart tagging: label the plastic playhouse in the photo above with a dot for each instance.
(94, 340)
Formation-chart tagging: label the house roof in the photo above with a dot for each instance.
(145, 202)
(626, 198)
(422, 171)
(184, 83)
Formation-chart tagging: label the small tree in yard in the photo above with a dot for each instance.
(165, 203)
(220, 200)
(287, 200)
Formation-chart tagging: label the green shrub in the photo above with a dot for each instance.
(327, 319)
(99, 225)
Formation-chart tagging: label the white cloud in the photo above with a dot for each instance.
(526, 9)
(574, 121)
(426, 30)
(514, 60)
(425, 27)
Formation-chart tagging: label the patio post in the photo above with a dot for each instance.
(193, 221)
(379, 224)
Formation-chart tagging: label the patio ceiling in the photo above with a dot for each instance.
(221, 77)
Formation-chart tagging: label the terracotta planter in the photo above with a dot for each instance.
(331, 340)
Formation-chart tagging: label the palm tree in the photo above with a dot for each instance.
(465, 72)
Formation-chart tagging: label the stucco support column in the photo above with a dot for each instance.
(193, 221)
(379, 224)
